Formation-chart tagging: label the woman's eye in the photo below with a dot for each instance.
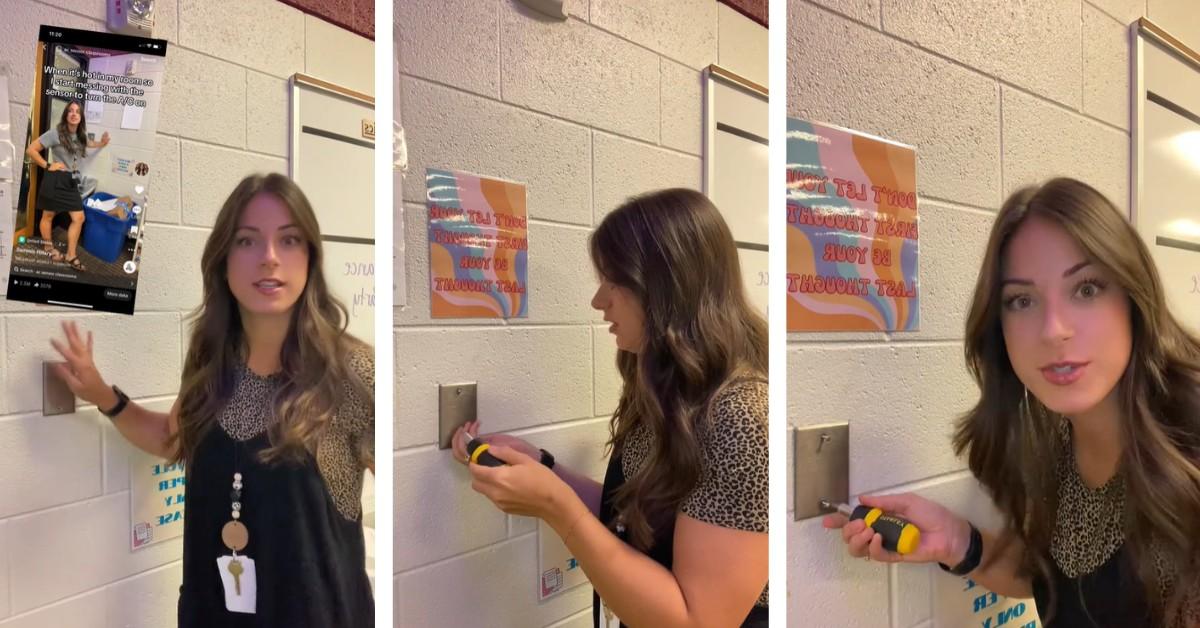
(244, 241)
(291, 240)
(1089, 289)
(1018, 302)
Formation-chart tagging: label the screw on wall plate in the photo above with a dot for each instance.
(456, 406)
(825, 438)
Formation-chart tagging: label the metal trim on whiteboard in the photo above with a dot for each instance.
(710, 135)
(312, 81)
(1172, 106)
(751, 246)
(293, 125)
(1137, 111)
(1176, 243)
(347, 239)
(717, 71)
(746, 135)
(1145, 27)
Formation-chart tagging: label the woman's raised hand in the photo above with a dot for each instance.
(80, 372)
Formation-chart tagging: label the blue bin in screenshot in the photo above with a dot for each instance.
(104, 235)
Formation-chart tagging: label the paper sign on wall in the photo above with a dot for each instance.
(155, 500)
(965, 603)
(557, 568)
(478, 246)
(851, 231)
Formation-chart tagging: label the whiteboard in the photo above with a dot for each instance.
(350, 271)
(332, 160)
(1166, 207)
(736, 166)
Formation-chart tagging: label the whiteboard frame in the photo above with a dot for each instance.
(295, 84)
(1144, 32)
(712, 75)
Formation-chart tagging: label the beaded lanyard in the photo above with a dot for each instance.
(234, 534)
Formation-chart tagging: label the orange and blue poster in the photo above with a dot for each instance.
(852, 231)
(478, 246)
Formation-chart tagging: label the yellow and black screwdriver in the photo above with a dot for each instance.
(477, 452)
(899, 536)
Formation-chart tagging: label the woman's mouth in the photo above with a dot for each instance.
(269, 287)
(1064, 373)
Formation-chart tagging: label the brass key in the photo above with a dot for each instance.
(235, 568)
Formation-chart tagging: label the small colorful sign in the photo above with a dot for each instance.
(478, 246)
(558, 570)
(963, 602)
(852, 231)
(156, 499)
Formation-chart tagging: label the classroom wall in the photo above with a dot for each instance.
(64, 480)
(993, 96)
(585, 112)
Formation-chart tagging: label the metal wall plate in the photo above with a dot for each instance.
(822, 467)
(57, 397)
(456, 405)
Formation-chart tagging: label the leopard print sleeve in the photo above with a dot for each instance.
(347, 445)
(360, 411)
(732, 490)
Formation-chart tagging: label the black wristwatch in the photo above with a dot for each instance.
(547, 459)
(122, 401)
(973, 557)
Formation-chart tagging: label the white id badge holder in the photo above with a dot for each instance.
(607, 618)
(240, 591)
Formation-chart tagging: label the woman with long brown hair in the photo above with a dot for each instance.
(63, 187)
(676, 535)
(1087, 430)
(274, 420)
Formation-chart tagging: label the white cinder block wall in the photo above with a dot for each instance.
(64, 480)
(585, 112)
(993, 95)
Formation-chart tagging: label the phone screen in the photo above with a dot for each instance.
(80, 221)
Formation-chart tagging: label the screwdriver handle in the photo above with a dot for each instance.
(899, 535)
(477, 452)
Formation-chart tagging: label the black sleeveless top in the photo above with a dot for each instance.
(1095, 581)
(1109, 597)
(306, 534)
(732, 491)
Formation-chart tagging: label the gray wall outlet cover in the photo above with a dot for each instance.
(822, 467)
(57, 397)
(457, 404)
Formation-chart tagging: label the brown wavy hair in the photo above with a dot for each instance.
(314, 356)
(64, 130)
(673, 250)
(1013, 446)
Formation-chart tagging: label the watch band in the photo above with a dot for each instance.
(974, 555)
(122, 401)
(547, 459)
